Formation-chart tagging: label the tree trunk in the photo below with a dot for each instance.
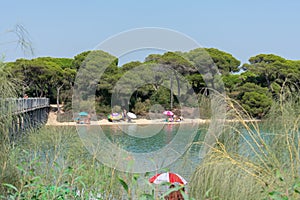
(171, 93)
(57, 97)
(269, 83)
(178, 85)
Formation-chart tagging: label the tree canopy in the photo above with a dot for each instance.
(162, 79)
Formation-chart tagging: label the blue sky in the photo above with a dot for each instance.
(66, 28)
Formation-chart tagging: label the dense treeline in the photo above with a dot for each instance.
(254, 85)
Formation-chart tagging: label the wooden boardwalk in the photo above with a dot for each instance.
(23, 114)
(22, 105)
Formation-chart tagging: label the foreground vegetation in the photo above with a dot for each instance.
(249, 161)
(254, 161)
(52, 163)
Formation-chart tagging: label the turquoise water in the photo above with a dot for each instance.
(135, 144)
(182, 139)
(152, 138)
(146, 148)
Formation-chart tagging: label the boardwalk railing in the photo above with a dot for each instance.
(21, 105)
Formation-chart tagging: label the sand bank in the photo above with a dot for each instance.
(53, 122)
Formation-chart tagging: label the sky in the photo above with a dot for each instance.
(66, 28)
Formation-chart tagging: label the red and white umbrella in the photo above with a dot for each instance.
(168, 112)
(167, 177)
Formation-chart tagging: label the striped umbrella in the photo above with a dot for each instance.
(167, 177)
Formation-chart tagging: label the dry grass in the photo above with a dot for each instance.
(253, 160)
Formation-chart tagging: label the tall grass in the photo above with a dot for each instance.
(8, 89)
(253, 160)
(52, 163)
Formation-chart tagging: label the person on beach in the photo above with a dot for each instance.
(175, 195)
(89, 118)
(124, 114)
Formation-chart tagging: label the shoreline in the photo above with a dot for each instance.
(52, 121)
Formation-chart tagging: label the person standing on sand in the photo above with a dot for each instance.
(89, 118)
(124, 114)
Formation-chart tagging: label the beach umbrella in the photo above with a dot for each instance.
(83, 114)
(131, 115)
(168, 113)
(114, 116)
(167, 177)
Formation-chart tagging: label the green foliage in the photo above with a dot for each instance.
(130, 65)
(93, 66)
(79, 59)
(225, 62)
(197, 82)
(117, 109)
(255, 99)
(255, 103)
(231, 82)
(52, 163)
(272, 69)
(265, 77)
(44, 76)
(162, 97)
(141, 108)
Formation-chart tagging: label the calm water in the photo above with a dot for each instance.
(160, 140)
(179, 141)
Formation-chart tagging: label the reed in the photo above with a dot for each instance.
(253, 160)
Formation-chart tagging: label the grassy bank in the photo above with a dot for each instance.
(52, 163)
(254, 161)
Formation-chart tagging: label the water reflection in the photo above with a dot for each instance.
(184, 165)
(148, 143)
(137, 148)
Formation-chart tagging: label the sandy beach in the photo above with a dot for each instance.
(53, 122)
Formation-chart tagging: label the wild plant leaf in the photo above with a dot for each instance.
(136, 176)
(277, 196)
(297, 191)
(146, 197)
(185, 195)
(147, 174)
(56, 164)
(207, 192)
(123, 183)
(279, 176)
(20, 168)
(170, 191)
(10, 186)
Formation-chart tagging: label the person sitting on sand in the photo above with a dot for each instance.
(176, 118)
(170, 119)
(181, 118)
